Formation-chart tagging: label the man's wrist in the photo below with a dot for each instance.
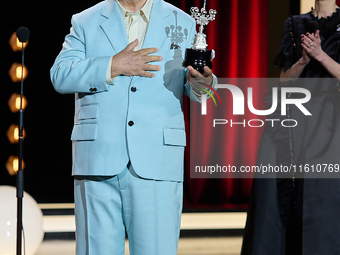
(198, 91)
(114, 69)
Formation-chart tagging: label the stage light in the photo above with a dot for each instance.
(32, 222)
(12, 165)
(13, 134)
(16, 71)
(15, 44)
(14, 102)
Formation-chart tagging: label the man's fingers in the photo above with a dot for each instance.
(153, 58)
(147, 74)
(148, 51)
(132, 45)
(207, 72)
(197, 74)
(148, 67)
(194, 72)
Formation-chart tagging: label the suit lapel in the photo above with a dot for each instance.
(155, 33)
(114, 27)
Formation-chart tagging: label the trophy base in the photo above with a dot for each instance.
(198, 59)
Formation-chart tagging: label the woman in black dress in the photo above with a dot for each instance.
(295, 216)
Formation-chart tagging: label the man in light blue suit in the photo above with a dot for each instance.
(123, 60)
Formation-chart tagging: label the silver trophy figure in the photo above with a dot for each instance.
(198, 56)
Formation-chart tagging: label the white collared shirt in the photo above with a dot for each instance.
(136, 25)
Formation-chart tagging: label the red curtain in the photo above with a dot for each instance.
(239, 37)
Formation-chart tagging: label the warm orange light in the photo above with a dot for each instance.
(16, 164)
(14, 42)
(14, 102)
(17, 102)
(12, 165)
(16, 71)
(13, 134)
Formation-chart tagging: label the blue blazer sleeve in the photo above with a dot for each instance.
(72, 72)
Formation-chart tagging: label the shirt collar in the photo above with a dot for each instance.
(146, 9)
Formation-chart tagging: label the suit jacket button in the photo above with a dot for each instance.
(131, 123)
(133, 89)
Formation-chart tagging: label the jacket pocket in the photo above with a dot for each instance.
(88, 112)
(84, 132)
(174, 137)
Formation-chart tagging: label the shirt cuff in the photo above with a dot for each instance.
(109, 80)
(199, 95)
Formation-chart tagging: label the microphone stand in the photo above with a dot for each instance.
(20, 173)
(23, 34)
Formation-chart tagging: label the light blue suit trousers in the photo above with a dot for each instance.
(148, 210)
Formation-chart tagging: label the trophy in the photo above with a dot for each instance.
(198, 56)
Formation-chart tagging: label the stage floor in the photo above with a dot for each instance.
(187, 246)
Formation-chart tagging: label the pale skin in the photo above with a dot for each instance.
(138, 63)
(311, 44)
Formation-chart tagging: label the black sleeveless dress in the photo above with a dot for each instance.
(292, 215)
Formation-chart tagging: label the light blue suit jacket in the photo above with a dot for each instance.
(103, 142)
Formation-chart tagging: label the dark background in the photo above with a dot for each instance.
(49, 115)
